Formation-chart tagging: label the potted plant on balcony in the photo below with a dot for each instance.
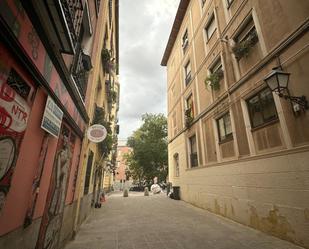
(188, 117)
(243, 47)
(106, 57)
(113, 96)
(213, 80)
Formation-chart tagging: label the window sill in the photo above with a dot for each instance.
(208, 39)
(228, 139)
(276, 120)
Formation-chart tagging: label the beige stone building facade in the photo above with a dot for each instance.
(98, 160)
(235, 147)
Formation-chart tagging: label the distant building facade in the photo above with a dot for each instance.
(235, 147)
(122, 166)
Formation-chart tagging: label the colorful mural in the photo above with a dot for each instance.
(18, 20)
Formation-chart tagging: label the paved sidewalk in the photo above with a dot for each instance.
(156, 222)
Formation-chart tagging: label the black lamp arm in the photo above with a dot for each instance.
(302, 101)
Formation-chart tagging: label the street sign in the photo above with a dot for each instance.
(52, 118)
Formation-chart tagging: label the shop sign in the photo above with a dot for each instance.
(52, 118)
(96, 133)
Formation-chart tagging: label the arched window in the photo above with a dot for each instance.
(176, 164)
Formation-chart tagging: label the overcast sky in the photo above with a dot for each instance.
(145, 26)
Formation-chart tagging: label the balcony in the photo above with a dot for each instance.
(66, 17)
(80, 67)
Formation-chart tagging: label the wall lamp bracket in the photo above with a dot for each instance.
(277, 80)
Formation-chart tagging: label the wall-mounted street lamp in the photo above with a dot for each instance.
(278, 81)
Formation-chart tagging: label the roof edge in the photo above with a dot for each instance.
(181, 11)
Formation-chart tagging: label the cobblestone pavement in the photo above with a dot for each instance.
(157, 222)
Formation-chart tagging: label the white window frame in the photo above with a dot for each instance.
(185, 40)
(188, 75)
(226, 136)
(210, 23)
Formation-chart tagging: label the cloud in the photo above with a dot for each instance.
(144, 30)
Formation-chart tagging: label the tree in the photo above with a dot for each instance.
(148, 158)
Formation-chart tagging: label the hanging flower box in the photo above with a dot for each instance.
(213, 80)
(188, 117)
(242, 49)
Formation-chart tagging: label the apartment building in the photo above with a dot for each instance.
(239, 146)
(51, 57)
(121, 175)
(97, 159)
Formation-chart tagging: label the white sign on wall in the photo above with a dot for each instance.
(52, 118)
(96, 133)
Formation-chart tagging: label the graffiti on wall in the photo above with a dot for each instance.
(52, 218)
(17, 19)
(14, 113)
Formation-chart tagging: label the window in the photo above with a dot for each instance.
(262, 108)
(215, 75)
(88, 172)
(18, 84)
(187, 73)
(110, 12)
(217, 67)
(190, 106)
(247, 29)
(193, 152)
(224, 127)
(229, 2)
(174, 124)
(185, 40)
(245, 40)
(176, 164)
(210, 27)
(97, 6)
(217, 70)
(189, 112)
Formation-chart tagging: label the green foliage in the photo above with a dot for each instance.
(148, 158)
(243, 48)
(106, 56)
(106, 145)
(188, 117)
(213, 80)
(113, 96)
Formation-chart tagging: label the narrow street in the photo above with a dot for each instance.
(157, 222)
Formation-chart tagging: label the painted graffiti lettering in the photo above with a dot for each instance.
(21, 114)
(14, 110)
(5, 119)
(7, 93)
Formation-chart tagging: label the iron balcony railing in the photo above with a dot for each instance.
(73, 12)
(81, 66)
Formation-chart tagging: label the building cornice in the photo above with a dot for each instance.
(181, 12)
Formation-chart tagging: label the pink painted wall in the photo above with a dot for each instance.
(17, 200)
(73, 173)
